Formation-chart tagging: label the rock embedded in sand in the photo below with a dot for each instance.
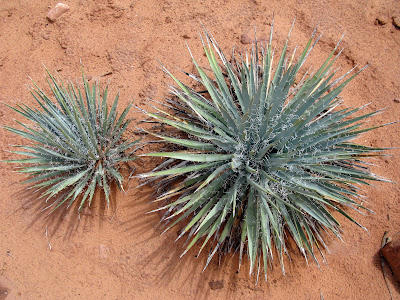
(396, 100)
(391, 252)
(57, 11)
(27, 203)
(104, 251)
(86, 211)
(245, 39)
(381, 20)
(396, 21)
(216, 285)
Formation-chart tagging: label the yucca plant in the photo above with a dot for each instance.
(76, 143)
(259, 155)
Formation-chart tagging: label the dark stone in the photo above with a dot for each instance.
(216, 284)
(391, 252)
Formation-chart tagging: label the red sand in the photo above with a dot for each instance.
(100, 257)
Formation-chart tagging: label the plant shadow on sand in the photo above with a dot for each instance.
(162, 253)
(188, 270)
(66, 217)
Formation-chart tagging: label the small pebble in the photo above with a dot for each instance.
(245, 39)
(26, 203)
(380, 20)
(104, 251)
(87, 211)
(57, 11)
(396, 100)
(396, 21)
(216, 285)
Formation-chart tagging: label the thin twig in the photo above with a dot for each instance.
(47, 237)
(8, 252)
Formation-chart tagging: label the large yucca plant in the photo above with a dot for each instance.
(260, 155)
(76, 143)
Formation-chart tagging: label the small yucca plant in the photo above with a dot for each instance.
(76, 143)
(258, 155)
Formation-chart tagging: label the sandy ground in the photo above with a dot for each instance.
(124, 257)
